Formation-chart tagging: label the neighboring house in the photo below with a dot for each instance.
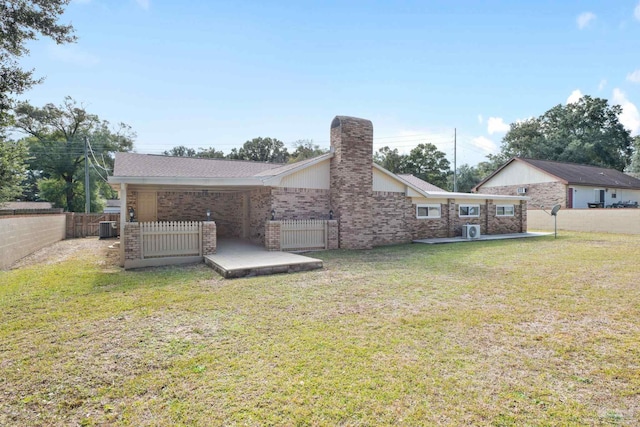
(363, 204)
(548, 183)
(112, 206)
(25, 206)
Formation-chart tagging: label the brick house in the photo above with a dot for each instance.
(363, 204)
(571, 185)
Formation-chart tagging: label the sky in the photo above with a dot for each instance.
(218, 73)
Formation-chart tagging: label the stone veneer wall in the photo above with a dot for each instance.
(544, 194)
(351, 180)
(300, 203)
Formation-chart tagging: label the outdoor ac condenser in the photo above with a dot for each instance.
(470, 231)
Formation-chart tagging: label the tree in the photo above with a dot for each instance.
(261, 150)
(305, 149)
(390, 159)
(13, 157)
(56, 137)
(20, 22)
(634, 166)
(586, 132)
(467, 178)
(182, 151)
(428, 163)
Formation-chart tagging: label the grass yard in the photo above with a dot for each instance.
(503, 333)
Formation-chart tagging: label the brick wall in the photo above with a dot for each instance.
(226, 209)
(272, 235)
(391, 219)
(209, 238)
(505, 224)
(132, 241)
(545, 194)
(351, 180)
(21, 236)
(300, 203)
(259, 213)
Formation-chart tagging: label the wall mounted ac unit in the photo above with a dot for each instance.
(470, 231)
(522, 190)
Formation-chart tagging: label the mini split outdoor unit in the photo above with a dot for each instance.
(470, 231)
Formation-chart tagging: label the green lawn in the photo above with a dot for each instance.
(503, 333)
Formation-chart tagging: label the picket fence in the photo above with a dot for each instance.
(303, 234)
(172, 238)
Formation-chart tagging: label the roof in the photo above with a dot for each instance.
(113, 203)
(152, 165)
(421, 184)
(576, 174)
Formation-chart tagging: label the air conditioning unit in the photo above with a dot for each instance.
(522, 190)
(470, 231)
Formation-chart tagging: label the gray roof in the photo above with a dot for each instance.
(421, 184)
(576, 174)
(151, 165)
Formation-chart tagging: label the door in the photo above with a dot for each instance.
(147, 201)
(600, 197)
(570, 198)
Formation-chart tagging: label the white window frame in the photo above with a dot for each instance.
(428, 206)
(468, 206)
(504, 210)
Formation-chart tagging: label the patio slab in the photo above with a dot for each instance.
(236, 258)
(460, 239)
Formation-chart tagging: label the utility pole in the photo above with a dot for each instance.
(87, 190)
(455, 166)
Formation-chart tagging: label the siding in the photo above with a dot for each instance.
(518, 173)
(316, 177)
(383, 182)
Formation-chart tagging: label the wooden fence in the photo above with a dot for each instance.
(303, 234)
(168, 239)
(84, 225)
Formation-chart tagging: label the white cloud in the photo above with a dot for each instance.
(484, 144)
(584, 19)
(602, 84)
(574, 97)
(496, 125)
(72, 54)
(630, 116)
(145, 4)
(480, 119)
(634, 77)
(636, 12)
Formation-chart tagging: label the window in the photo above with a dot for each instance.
(469, 211)
(427, 211)
(505, 210)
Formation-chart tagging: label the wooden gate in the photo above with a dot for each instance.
(303, 234)
(169, 239)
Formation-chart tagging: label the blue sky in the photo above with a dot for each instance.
(209, 73)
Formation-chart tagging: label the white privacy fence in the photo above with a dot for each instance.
(303, 234)
(172, 238)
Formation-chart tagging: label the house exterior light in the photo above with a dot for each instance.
(132, 214)
(208, 214)
(330, 213)
(273, 215)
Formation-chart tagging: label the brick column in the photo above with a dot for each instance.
(332, 234)
(132, 241)
(523, 216)
(451, 217)
(272, 235)
(209, 238)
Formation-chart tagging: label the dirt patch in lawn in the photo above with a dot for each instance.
(73, 248)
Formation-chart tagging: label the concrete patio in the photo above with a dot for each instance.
(237, 258)
(460, 239)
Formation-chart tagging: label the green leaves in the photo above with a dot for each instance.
(425, 161)
(586, 132)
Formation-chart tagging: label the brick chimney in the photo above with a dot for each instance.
(352, 180)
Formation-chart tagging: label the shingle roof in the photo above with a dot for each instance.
(575, 174)
(421, 184)
(150, 165)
